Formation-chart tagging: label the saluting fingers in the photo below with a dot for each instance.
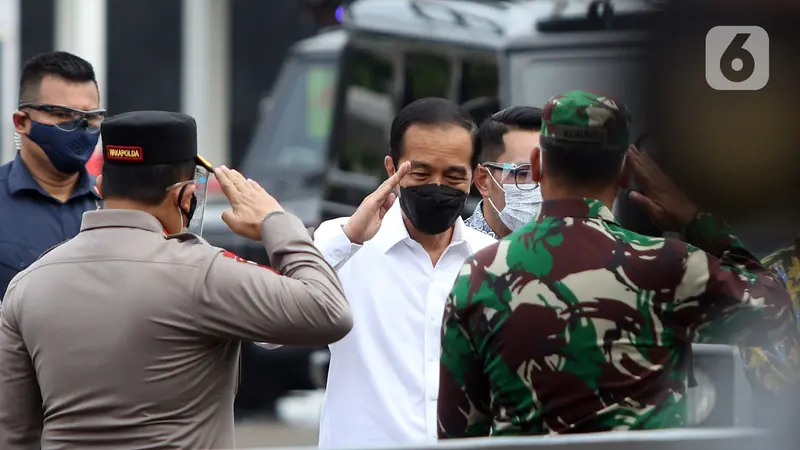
(237, 179)
(389, 185)
(226, 184)
(257, 187)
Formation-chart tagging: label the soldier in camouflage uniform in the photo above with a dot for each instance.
(574, 324)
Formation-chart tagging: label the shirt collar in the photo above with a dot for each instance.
(21, 179)
(393, 230)
(478, 222)
(120, 218)
(576, 207)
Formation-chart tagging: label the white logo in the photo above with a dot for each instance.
(737, 58)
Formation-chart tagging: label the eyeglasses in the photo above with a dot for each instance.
(522, 174)
(70, 119)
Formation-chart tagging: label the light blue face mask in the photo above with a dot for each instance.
(522, 206)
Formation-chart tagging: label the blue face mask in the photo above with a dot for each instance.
(67, 150)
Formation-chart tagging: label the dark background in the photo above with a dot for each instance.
(144, 53)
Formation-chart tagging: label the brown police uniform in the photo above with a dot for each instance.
(124, 337)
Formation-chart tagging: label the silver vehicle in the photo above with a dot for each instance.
(323, 133)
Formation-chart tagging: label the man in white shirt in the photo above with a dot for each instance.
(397, 261)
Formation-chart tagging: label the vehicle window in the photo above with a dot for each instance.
(480, 89)
(369, 110)
(427, 75)
(616, 77)
(296, 121)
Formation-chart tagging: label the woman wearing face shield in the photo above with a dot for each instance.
(510, 197)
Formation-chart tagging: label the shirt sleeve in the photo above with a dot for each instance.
(334, 245)
(463, 405)
(302, 305)
(726, 295)
(21, 414)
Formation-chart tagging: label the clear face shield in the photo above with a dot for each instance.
(197, 203)
(521, 194)
(512, 175)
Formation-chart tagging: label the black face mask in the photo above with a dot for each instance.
(192, 205)
(432, 208)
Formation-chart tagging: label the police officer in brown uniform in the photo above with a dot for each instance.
(128, 335)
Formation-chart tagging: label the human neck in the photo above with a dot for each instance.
(58, 185)
(607, 195)
(492, 219)
(434, 244)
(121, 203)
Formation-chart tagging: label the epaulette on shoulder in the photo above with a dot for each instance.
(50, 249)
(188, 237)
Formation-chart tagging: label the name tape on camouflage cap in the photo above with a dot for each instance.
(121, 153)
(580, 134)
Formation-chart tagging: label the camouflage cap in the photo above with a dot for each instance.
(585, 119)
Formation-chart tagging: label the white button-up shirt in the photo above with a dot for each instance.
(384, 376)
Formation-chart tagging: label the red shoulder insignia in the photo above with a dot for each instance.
(237, 258)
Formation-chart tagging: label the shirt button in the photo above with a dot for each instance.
(433, 398)
(21, 265)
(338, 254)
(431, 359)
(433, 319)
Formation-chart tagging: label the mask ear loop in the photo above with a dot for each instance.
(180, 210)
(17, 138)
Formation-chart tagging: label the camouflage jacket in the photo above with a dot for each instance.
(776, 368)
(575, 324)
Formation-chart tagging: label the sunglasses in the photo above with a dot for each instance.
(70, 119)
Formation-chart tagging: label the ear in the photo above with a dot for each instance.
(98, 185)
(625, 173)
(186, 201)
(482, 180)
(22, 123)
(389, 165)
(536, 165)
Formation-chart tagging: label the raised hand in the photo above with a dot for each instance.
(664, 203)
(365, 222)
(250, 203)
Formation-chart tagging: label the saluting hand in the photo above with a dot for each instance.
(250, 203)
(664, 203)
(365, 222)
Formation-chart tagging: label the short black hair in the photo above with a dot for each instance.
(489, 144)
(581, 166)
(61, 64)
(144, 184)
(429, 111)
